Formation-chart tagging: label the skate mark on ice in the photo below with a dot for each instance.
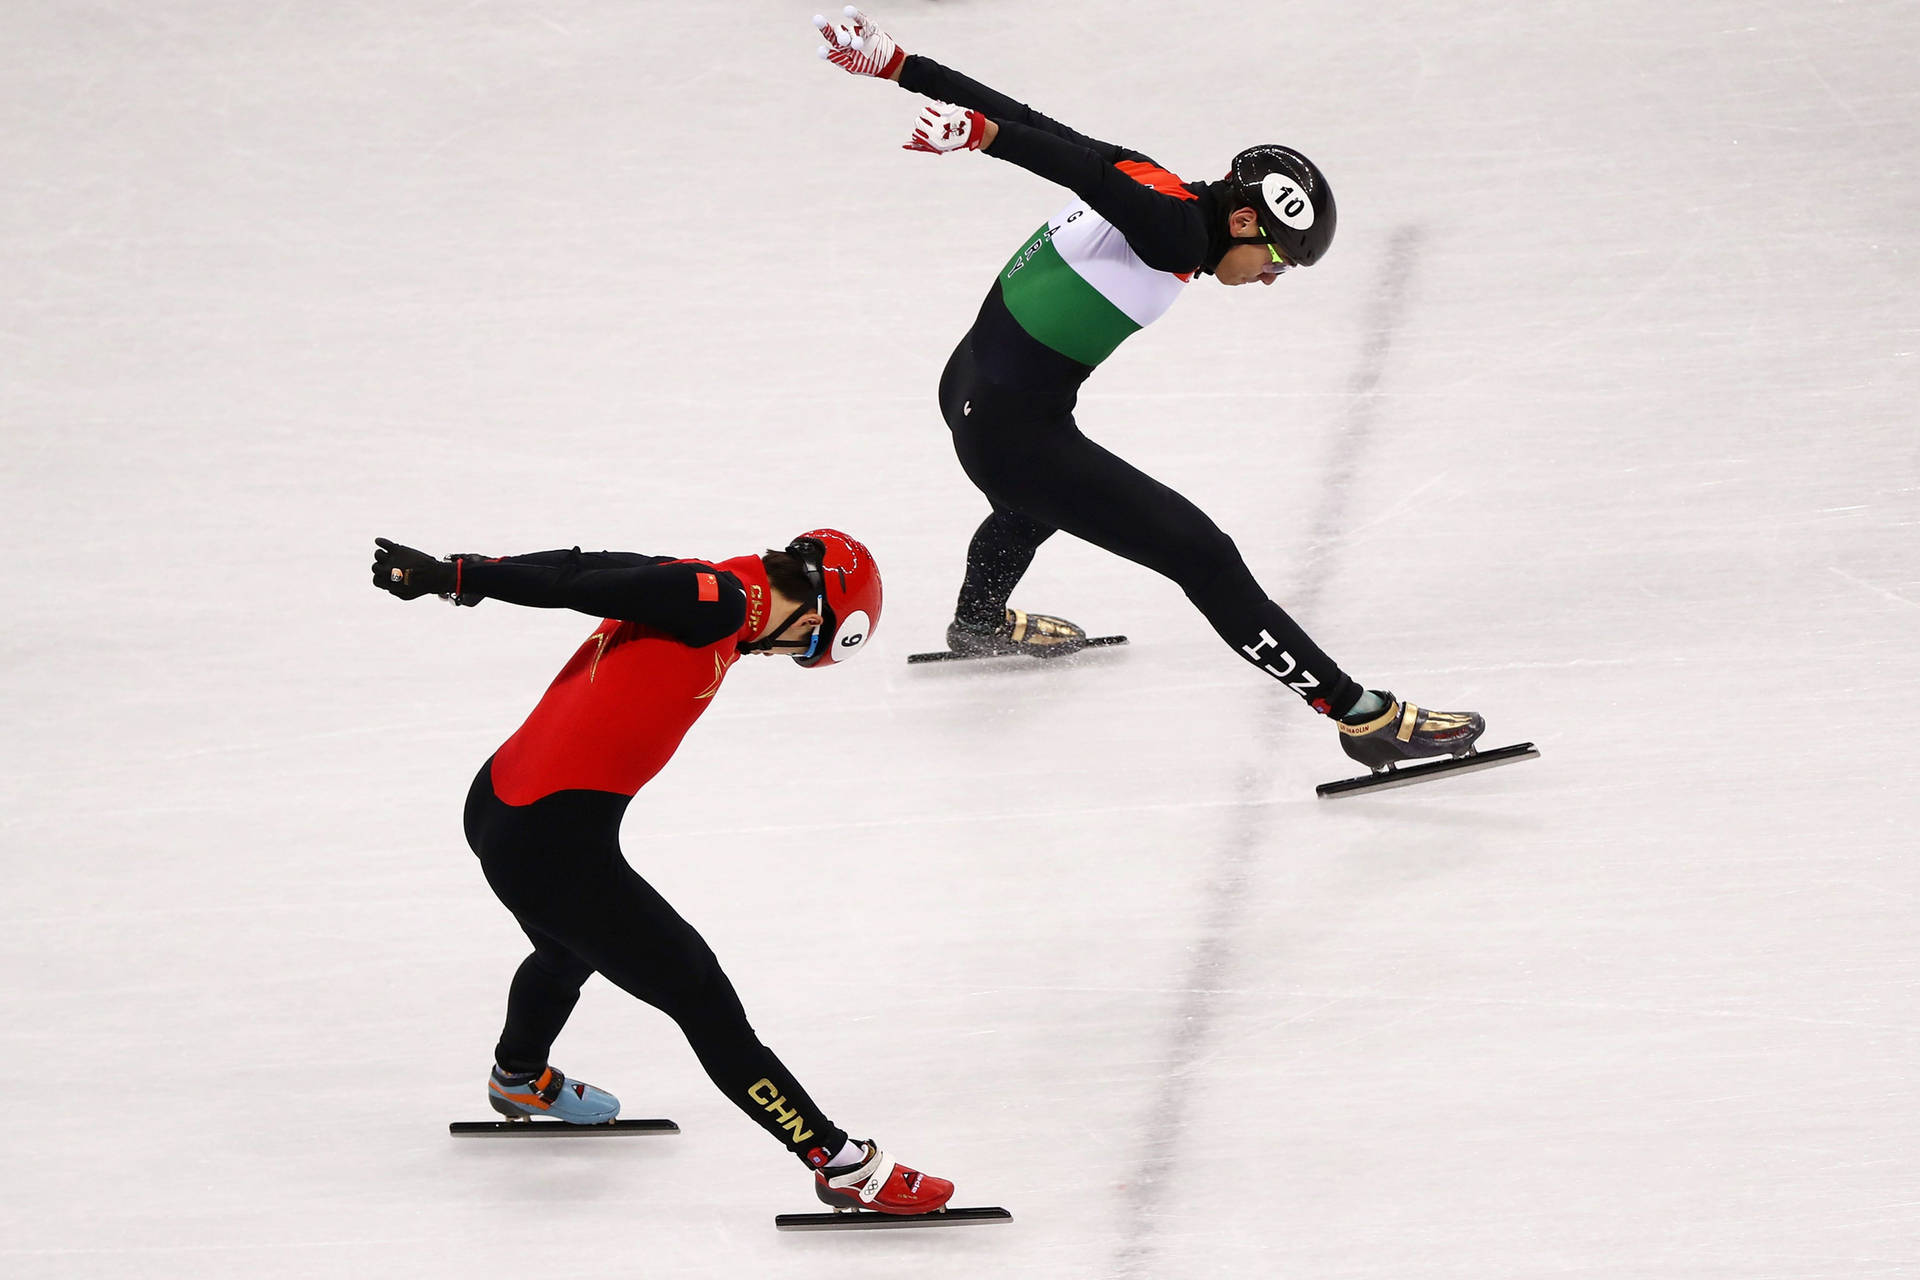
(1385, 316)
(1402, 506)
(1878, 590)
(1222, 916)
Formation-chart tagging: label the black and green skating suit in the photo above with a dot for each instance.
(1097, 272)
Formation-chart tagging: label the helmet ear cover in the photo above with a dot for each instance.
(808, 551)
(812, 553)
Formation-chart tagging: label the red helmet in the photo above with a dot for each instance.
(848, 582)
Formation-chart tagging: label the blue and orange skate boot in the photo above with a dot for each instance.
(548, 1094)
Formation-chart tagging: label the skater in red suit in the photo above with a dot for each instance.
(1101, 269)
(544, 813)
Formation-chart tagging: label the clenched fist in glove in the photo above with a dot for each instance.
(943, 128)
(859, 47)
(411, 574)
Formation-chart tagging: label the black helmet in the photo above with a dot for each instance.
(1291, 195)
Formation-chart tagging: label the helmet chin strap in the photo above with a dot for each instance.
(772, 641)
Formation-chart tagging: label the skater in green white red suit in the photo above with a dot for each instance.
(1099, 270)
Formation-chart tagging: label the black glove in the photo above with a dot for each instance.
(410, 574)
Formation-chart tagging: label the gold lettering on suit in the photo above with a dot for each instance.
(756, 608)
(768, 1096)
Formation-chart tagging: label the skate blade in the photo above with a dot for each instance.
(555, 1128)
(868, 1220)
(948, 655)
(1427, 770)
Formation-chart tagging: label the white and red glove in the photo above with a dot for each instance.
(943, 128)
(859, 47)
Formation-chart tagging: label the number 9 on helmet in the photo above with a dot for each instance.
(847, 582)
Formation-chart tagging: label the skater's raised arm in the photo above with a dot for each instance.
(1161, 221)
(922, 75)
(859, 47)
(694, 603)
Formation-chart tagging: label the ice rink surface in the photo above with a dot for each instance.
(1599, 419)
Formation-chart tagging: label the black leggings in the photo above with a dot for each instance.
(1025, 453)
(556, 864)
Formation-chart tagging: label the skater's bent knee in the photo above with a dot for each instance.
(1210, 564)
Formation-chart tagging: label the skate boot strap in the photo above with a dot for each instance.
(873, 1171)
(1385, 718)
(543, 1090)
(1413, 719)
(549, 1085)
(1028, 628)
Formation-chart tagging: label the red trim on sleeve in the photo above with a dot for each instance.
(1152, 175)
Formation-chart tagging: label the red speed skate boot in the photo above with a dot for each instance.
(881, 1184)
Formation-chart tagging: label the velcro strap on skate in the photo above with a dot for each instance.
(1406, 725)
(873, 1172)
(1374, 725)
(1041, 628)
(551, 1082)
(878, 1182)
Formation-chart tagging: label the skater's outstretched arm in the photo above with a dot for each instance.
(1127, 188)
(922, 75)
(694, 603)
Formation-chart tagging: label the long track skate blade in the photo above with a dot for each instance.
(555, 1128)
(1426, 771)
(867, 1220)
(948, 655)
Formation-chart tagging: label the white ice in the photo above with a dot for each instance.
(1599, 419)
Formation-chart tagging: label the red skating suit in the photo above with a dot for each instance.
(616, 713)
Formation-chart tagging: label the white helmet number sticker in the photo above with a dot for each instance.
(853, 632)
(1287, 201)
